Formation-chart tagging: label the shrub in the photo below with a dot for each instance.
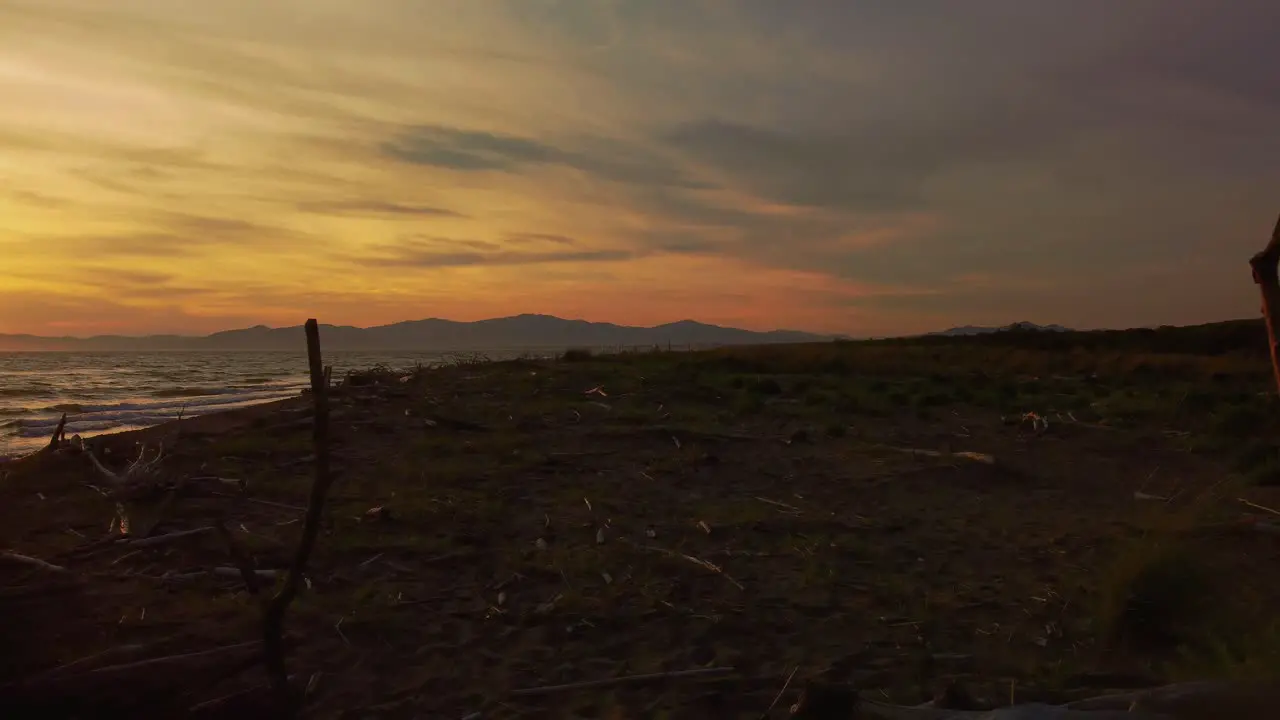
(1159, 598)
(766, 386)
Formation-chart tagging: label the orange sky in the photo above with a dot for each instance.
(176, 166)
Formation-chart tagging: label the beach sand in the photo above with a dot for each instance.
(557, 522)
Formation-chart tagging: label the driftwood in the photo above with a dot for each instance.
(241, 558)
(964, 454)
(1266, 273)
(136, 471)
(34, 562)
(273, 617)
(1238, 700)
(59, 433)
(162, 670)
(227, 572)
(1033, 711)
(89, 662)
(164, 539)
(626, 679)
(1188, 701)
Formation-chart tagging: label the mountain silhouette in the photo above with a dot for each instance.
(431, 335)
(983, 330)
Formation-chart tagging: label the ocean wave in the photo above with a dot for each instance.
(84, 427)
(122, 415)
(173, 392)
(66, 408)
(176, 404)
(25, 392)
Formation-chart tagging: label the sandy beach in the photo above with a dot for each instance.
(886, 517)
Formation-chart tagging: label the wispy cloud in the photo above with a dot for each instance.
(524, 238)
(462, 150)
(845, 166)
(442, 253)
(376, 207)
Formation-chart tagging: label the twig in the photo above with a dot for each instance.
(58, 432)
(268, 503)
(125, 556)
(700, 563)
(338, 626)
(241, 559)
(63, 683)
(785, 685)
(792, 508)
(1256, 506)
(273, 619)
(966, 454)
(218, 703)
(625, 679)
(164, 539)
(36, 562)
(86, 662)
(221, 572)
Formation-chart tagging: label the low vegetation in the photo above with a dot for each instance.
(1047, 514)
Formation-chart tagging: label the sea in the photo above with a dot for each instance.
(103, 392)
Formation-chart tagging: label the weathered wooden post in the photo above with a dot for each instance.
(1267, 275)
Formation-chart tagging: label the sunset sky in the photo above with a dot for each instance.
(874, 167)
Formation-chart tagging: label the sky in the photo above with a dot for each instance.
(873, 167)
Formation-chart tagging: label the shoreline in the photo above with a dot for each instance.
(214, 423)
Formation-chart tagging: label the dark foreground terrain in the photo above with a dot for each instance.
(881, 514)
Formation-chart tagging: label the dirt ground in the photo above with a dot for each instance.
(885, 517)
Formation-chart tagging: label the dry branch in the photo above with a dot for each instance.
(1190, 701)
(696, 561)
(273, 618)
(791, 508)
(228, 572)
(67, 684)
(164, 539)
(626, 679)
(1239, 700)
(241, 559)
(134, 472)
(966, 454)
(87, 662)
(59, 433)
(1256, 506)
(35, 562)
(781, 692)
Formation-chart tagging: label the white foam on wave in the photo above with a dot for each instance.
(177, 403)
(93, 419)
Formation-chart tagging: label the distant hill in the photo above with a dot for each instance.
(981, 330)
(1242, 337)
(432, 335)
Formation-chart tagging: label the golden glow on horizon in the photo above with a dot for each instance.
(182, 166)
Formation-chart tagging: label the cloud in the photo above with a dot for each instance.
(522, 238)
(376, 207)
(732, 154)
(172, 234)
(873, 169)
(430, 254)
(35, 199)
(462, 150)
